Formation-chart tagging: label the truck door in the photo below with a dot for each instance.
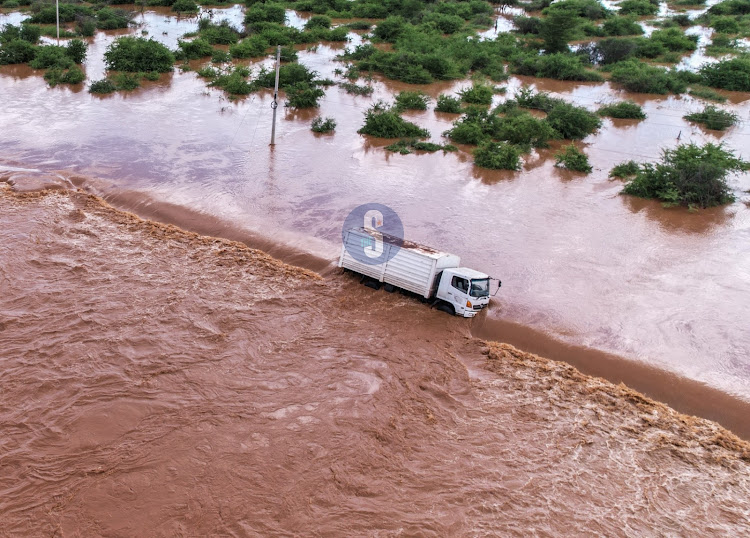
(458, 290)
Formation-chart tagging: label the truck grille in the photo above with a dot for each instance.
(478, 306)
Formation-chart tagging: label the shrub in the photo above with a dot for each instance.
(623, 110)
(405, 145)
(498, 156)
(527, 98)
(476, 126)
(725, 25)
(390, 29)
(708, 93)
(447, 103)
(86, 26)
(556, 29)
(234, 83)
(674, 39)
(730, 7)
(197, 48)
(250, 47)
(572, 122)
(127, 81)
(407, 100)
(355, 89)
(219, 34)
(590, 9)
(689, 175)
(478, 94)
(613, 50)
(560, 66)
(207, 72)
(288, 54)
(136, 54)
(636, 76)
(303, 95)
(319, 21)
(102, 86)
(625, 170)
(185, 6)
(732, 74)
(638, 7)
(573, 159)
(220, 56)
(527, 25)
(76, 50)
(55, 76)
(523, 129)
(266, 12)
(320, 125)
(288, 75)
(617, 26)
(17, 51)
(153, 76)
(108, 18)
(384, 122)
(48, 56)
(713, 118)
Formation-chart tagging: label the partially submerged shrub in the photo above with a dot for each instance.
(573, 159)
(713, 118)
(384, 122)
(17, 51)
(637, 76)
(406, 145)
(688, 175)
(235, 82)
(356, 89)
(288, 75)
(266, 12)
(56, 76)
(639, 7)
(102, 86)
(478, 94)
(127, 81)
(320, 125)
(498, 156)
(218, 34)
(48, 56)
(185, 6)
(192, 50)
(303, 95)
(447, 103)
(573, 122)
(560, 66)
(707, 93)
(407, 100)
(625, 170)
(250, 47)
(522, 129)
(732, 74)
(136, 54)
(623, 110)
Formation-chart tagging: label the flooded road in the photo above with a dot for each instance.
(160, 383)
(581, 265)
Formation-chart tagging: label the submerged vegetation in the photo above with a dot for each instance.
(623, 110)
(689, 175)
(713, 118)
(571, 158)
(320, 125)
(384, 121)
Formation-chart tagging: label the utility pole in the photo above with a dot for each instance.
(275, 104)
(57, 11)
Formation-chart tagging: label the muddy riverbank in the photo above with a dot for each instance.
(160, 382)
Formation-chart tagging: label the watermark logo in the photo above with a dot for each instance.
(373, 248)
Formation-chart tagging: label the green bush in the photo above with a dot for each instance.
(288, 75)
(86, 26)
(192, 50)
(127, 81)
(185, 6)
(560, 66)
(713, 118)
(135, 54)
(446, 24)
(732, 74)
(625, 170)
(674, 39)
(498, 156)
(527, 25)
(320, 125)
(688, 175)
(356, 89)
(407, 100)
(636, 76)
(623, 110)
(590, 9)
(250, 47)
(730, 7)
(612, 50)
(447, 103)
(303, 95)
(406, 145)
(17, 51)
(76, 50)
(319, 21)
(288, 54)
(618, 26)
(476, 126)
(707, 93)
(55, 76)
(638, 7)
(527, 98)
(108, 18)
(723, 44)
(219, 56)
(522, 129)
(26, 32)
(68, 12)
(573, 159)
(219, 34)
(573, 122)
(384, 122)
(102, 86)
(48, 56)
(478, 94)
(234, 83)
(390, 29)
(266, 12)
(725, 25)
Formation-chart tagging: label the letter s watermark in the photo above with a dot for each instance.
(374, 219)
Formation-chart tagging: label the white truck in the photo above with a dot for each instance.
(435, 276)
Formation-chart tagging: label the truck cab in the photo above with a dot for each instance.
(465, 290)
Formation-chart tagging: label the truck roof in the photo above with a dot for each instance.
(403, 243)
(470, 273)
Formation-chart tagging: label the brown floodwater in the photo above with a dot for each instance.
(158, 383)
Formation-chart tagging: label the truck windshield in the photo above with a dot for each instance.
(480, 287)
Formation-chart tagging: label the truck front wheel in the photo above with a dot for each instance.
(447, 307)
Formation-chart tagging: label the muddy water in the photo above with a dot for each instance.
(580, 263)
(160, 383)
